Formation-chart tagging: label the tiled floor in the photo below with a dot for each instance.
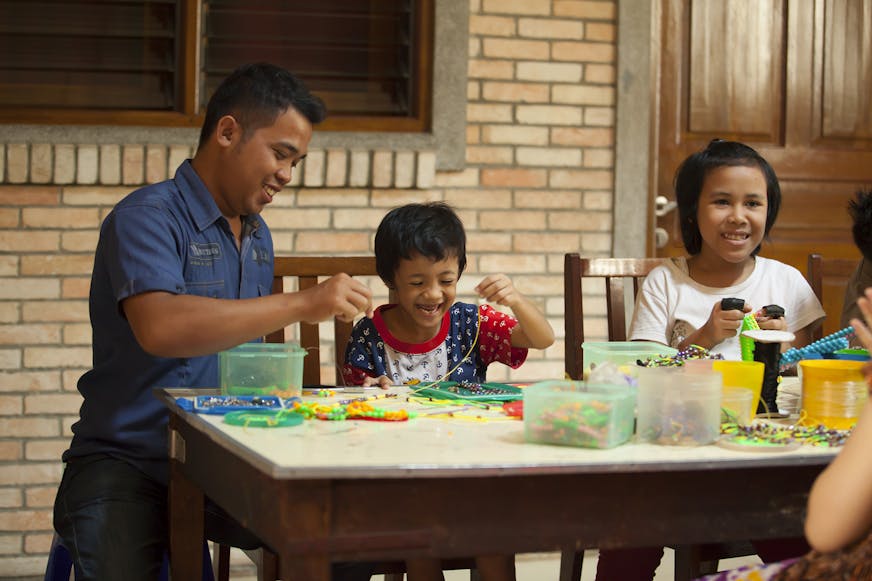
(546, 567)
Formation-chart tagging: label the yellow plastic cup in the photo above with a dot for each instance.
(834, 391)
(747, 374)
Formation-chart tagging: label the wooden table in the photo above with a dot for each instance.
(358, 490)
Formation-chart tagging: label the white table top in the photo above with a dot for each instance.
(441, 447)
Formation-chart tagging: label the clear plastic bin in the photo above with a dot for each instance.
(262, 369)
(578, 413)
(623, 354)
(677, 407)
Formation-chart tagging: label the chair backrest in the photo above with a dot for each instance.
(829, 275)
(614, 272)
(308, 269)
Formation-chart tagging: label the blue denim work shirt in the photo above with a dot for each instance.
(168, 237)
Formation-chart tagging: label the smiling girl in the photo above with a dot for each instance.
(728, 199)
(420, 252)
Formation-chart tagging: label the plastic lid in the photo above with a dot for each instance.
(264, 418)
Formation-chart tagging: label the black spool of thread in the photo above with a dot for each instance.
(767, 350)
(769, 354)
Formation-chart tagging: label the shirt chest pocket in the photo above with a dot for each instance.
(210, 288)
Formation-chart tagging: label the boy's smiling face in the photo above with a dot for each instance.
(425, 290)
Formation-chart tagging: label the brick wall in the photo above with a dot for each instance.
(538, 183)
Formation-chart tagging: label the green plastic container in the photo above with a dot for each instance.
(262, 369)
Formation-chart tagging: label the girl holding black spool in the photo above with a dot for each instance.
(728, 198)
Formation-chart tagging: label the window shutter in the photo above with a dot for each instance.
(94, 54)
(357, 55)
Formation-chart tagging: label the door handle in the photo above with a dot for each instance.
(663, 205)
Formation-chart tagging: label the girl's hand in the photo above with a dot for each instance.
(383, 381)
(766, 322)
(498, 288)
(721, 325)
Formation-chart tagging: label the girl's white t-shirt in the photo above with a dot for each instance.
(671, 305)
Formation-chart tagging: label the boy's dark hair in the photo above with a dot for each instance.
(691, 175)
(860, 210)
(432, 230)
(256, 94)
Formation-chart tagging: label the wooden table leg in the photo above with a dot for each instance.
(309, 567)
(185, 517)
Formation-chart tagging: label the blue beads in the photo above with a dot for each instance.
(828, 344)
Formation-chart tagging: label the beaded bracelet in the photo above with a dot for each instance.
(749, 323)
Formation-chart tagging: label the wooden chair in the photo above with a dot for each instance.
(617, 275)
(309, 270)
(830, 275)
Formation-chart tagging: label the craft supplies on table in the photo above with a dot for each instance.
(678, 407)
(578, 413)
(264, 418)
(262, 369)
(624, 354)
(834, 391)
(222, 404)
(451, 390)
(737, 405)
(744, 374)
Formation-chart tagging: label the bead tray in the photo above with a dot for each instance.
(471, 391)
(222, 404)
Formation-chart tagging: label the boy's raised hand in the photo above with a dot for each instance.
(498, 289)
(533, 330)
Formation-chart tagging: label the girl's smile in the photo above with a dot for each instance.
(732, 213)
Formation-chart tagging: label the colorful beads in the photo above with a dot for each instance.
(828, 344)
(749, 323)
(575, 424)
(357, 410)
(677, 360)
(770, 434)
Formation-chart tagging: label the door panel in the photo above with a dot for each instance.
(735, 74)
(791, 78)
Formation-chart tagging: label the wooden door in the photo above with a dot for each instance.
(791, 78)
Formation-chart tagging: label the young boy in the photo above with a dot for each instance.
(420, 252)
(860, 210)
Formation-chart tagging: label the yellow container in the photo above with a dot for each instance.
(833, 391)
(747, 374)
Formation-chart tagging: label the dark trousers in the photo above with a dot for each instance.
(113, 519)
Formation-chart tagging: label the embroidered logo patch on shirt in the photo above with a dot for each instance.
(204, 253)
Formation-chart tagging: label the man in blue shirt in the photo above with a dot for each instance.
(183, 269)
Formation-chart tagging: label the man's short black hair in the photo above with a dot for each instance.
(256, 94)
(432, 230)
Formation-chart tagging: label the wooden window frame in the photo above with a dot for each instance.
(188, 115)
